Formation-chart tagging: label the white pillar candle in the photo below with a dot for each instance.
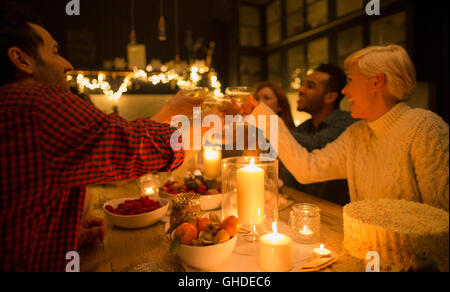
(250, 189)
(212, 159)
(275, 252)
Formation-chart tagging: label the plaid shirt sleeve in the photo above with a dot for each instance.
(52, 145)
(84, 146)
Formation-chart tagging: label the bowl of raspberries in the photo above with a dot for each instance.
(132, 213)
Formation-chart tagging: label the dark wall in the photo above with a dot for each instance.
(101, 31)
(431, 50)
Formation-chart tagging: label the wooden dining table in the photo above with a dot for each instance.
(147, 249)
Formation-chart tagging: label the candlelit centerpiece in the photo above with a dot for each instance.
(250, 188)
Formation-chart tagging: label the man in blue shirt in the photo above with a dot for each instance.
(320, 96)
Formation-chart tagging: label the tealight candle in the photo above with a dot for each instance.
(322, 252)
(212, 162)
(306, 231)
(149, 185)
(149, 191)
(275, 252)
(306, 234)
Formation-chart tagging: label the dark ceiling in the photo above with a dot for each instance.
(257, 2)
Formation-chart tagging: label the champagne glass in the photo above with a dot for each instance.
(239, 94)
(241, 97)
(220, 103)
(200, 92)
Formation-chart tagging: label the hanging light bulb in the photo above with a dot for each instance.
(162, 29)
(177, 44)
(162, 24)
(136, 53)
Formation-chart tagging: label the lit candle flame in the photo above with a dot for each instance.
(274, 227)
(149, 191)
(211, 154)
(322, 246)
(252, 162)
(306, 231)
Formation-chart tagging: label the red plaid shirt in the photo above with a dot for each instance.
(52, 145)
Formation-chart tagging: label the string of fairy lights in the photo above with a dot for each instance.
(188, 80)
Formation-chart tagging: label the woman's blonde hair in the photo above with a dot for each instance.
(391, 60)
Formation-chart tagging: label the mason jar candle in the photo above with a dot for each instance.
(304, 222)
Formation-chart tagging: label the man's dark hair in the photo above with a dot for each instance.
(15, 31)
(337, 81)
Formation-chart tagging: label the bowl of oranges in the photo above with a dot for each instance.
(205, 243)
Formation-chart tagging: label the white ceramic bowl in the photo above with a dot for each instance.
(206, 258)
(135, 221)
(210, 202)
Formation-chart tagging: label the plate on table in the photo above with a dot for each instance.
(209, 190)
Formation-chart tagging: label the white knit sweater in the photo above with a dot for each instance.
(402, 155)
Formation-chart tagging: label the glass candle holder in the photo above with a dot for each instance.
(304, 221)
(250, 188)
(149, 185)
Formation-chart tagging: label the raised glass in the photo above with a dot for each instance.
(200, 92)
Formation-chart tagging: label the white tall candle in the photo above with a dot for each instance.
(275, 252)
(212, 159)
(250, 189)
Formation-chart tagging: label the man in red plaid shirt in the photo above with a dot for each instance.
(53, 144)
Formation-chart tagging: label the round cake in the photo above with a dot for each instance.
(398, 230)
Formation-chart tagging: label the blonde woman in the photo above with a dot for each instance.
(395, 152)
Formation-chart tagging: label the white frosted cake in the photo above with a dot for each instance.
(398, 230)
